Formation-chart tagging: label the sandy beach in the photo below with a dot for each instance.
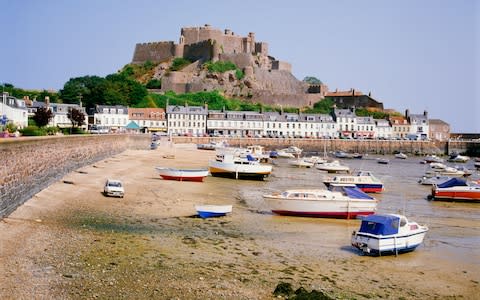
(70, 241)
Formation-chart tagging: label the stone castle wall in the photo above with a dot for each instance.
(154, 52)
(203, 51)
(31, 164)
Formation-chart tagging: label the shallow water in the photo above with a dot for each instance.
(454, 227)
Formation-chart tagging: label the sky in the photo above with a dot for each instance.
(416, 55)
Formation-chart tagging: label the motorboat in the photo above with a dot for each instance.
(258, 152)
(212, 145)
(230, 165)
(433, 180)
(433, 158)
(383, 161)
(290, 152)
(333, 167)
(341, 154)
(182, 174)
(477, 164)
(211, 211)
(457, 158)
(364, 180)
(339, 201)
(381, 234)
(401, 155)
(438, 166)
(315, 160)
(456, 189)
(301, 163)
(466, 171)
(447, 171)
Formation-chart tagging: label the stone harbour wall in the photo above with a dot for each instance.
(30, 164)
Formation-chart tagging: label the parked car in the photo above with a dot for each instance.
(114, 188)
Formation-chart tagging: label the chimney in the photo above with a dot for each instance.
(425, 113)
(407, 114)
(206, 106)
(47, 101)
(370, 94)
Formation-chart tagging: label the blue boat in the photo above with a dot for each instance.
(381, 234)
(211, 211)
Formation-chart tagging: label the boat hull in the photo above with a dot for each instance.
(456, 195)
(183, 175)
(344, 209)
(213, 211)
(239, 171)
(386, 245)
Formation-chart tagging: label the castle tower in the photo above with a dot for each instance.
(179, 48)
(251, 35)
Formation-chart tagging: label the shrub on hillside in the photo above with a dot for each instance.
(220, 66)
(179, 63)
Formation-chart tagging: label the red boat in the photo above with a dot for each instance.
(182, 174)
(456, 189)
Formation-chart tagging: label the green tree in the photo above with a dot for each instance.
(312, 80)
(76, 116)
(42, 116)
(154, 84)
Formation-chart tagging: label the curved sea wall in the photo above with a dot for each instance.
(31, 164)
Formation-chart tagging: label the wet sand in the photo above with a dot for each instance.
(69, 241)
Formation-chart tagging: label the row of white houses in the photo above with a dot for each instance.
(200, 121)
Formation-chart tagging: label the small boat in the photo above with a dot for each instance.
(401, 155)
(273, 154)
(182, 174)
(212, 145)
(383, 161)
(290, 152)
(364, 180)
(301, 163)
(458, 158)
(433, 180)
(456, 189)
(230, 165)
(381, 234)
(447, 171)
(341, 154)
(433, 158)
(153, 145)
(333, 167)
(477, 165)
(438, 166)
(211, 211)
(339, 201)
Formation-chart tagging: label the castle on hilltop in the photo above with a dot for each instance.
(207, 43)
(266, 79)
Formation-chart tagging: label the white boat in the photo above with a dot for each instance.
(182, 174)
(258, 152)
(448, 171)
(433, 158)
(433, 180)
(383, 161)
(401, 155)
(340, 201)
(230, 165)
(364, 180)
(210, 211)
(477, 164)
(290, 152)
(301, 163)
(388, 234)
(333, 167)
(438, 166)
(458, 158)
(283, 154)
